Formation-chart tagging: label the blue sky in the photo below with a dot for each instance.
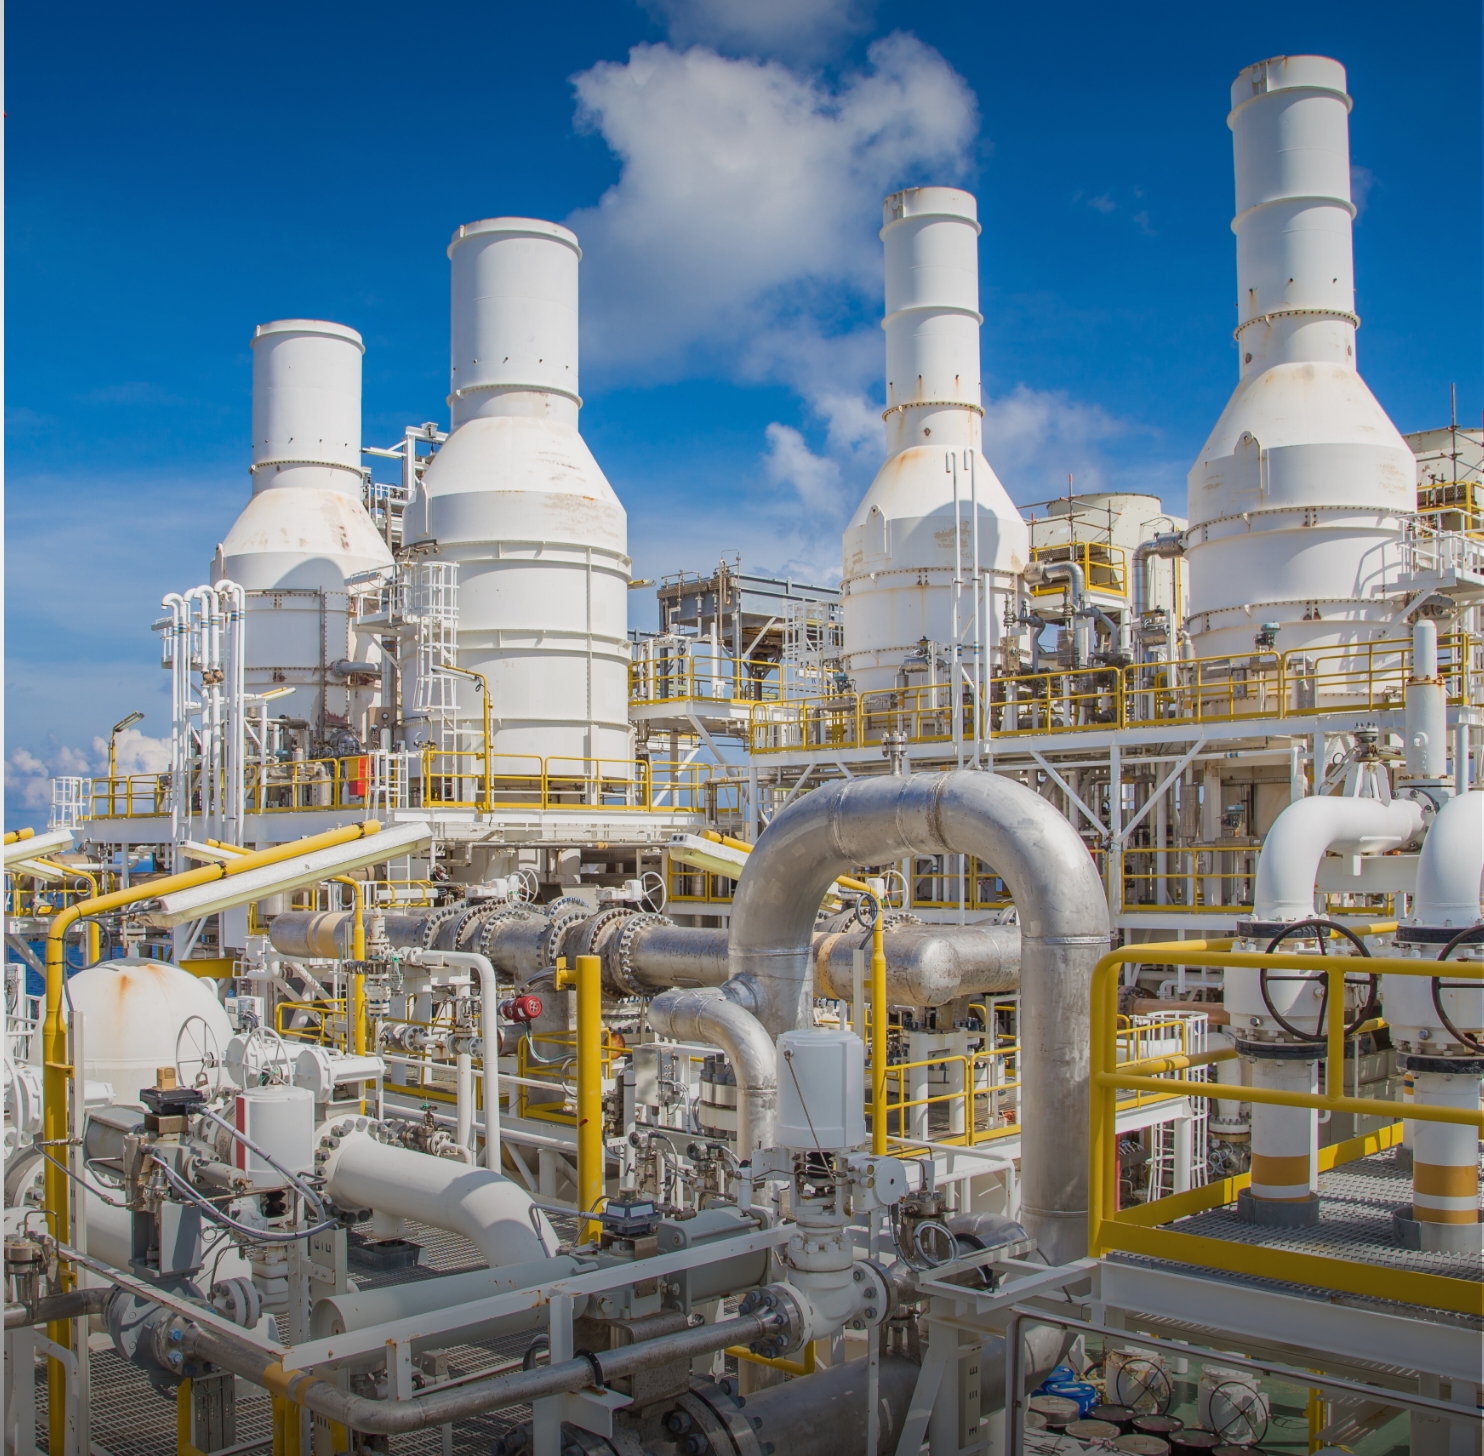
(177, 174)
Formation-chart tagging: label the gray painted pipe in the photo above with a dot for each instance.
(825, 1413)
(438, 1407)
(705, 1014)
(1063, 926)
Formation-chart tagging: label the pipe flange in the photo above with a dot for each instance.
(710, 1421)
(623, 967)
(895, 919)
(503, 915)
(549, 946)
(469, 914)
(551, 907)
(782, 1302)
(726, 1407)
(584, 941)
(1282, 1051)
(1470, 1065)
(435, 922)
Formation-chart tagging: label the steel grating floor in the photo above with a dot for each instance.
(1355, 1204)
(130, 1418)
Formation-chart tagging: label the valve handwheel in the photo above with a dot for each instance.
(1323, 926)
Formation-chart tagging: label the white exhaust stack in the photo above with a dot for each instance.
(305, 529)
(899, 545)
(1304, 480)
(516, 499)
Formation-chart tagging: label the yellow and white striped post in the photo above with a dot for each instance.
(1445, 1155)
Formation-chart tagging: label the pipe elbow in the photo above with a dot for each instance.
(1451, 866)
(1288, 867)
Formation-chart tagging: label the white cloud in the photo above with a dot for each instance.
(1362, 179)
(1102, 203)
(794, 29)
(815, 479)
(743, 224)
(136, 752)
(1035, 438)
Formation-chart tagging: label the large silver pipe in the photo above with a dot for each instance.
(926, 965)
(705, 1014)
(1063, 926)
(641, 953)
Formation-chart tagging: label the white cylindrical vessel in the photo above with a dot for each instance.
(1301, 488)
(899, 568)
(516, 499)
(305, 529)
(1445, 1169)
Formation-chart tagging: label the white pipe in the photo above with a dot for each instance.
(1304, 832)
(464, 1083)
(1451, 865)
(489, 1210)
(1427, 708)
(489, 1033)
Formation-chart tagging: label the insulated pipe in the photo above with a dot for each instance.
(1063, 924)
(926, 965)
(493, 1213)
(1427, 707)
(1307, 830)
(1164, 546)
(517, 1387)
(489, 1032)
(705, 1014)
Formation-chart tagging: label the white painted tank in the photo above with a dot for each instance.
(1303, 483)
(305, 529)
(141, 1015)
(516, 499)
(899, 545)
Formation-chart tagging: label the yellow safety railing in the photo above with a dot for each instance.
(1453, 505)
(322, 1029)
(449, 778)
(1104, 567)
(557, 1068)
(1360, 676)
(1141, 1230)
(691, 674)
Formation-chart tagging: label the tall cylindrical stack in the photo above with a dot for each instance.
(899, 566)
(1300, 490)
(516, 499)
(305, 530)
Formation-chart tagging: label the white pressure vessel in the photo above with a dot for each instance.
(142, 1015)
(1299, 494)
(515, 498)
(899, 572)
(305, 529)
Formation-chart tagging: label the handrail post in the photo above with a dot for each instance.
(587, 981)
(878, 1034)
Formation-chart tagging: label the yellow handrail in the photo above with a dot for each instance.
(1109, 1229)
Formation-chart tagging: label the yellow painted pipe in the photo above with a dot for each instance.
(587, 980)
(14, 836)
(878, 1035)
(57, 1072)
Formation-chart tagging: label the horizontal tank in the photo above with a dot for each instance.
(899, 547)
(1299, 496)
(515, 499)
